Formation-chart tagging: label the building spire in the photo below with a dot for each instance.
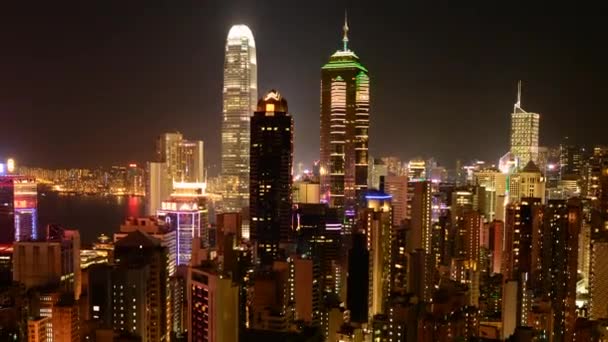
(345, 28)
(518, 104)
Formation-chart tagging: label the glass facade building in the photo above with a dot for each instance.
(240, 95)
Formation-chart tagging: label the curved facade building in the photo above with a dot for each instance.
(240, 95)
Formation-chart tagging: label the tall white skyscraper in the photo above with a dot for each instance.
(524, 133)
(240, 95)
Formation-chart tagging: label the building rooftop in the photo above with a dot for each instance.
(531, 167)
(138, 238)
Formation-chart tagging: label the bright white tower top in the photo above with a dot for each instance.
(239, 32)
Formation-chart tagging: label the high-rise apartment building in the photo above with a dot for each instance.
(562, 225)
(420, 208)
(240, 95)
(344, 128)
(377, 221)
(140, 288)
(396, 186)
(18, 209)
(524, 132)
(598, 283)
(357, 297)
(270, 175)
(213, 306)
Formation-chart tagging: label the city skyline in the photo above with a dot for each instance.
(451, 75)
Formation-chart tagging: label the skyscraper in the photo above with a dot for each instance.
(524, 132)
(344, 127)
(18, 209)
(240, 94)
(185, 212)
(270, 178)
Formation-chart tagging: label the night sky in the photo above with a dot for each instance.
(92, 83)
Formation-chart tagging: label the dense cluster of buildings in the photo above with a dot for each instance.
(116, 180)
(357, 249)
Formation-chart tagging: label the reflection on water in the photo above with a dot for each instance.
(91, 215)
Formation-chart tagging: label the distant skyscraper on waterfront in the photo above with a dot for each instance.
(18, 209)
(178, 160)
(524, 132)
(240, 95)
(271, 175)
(344, 127)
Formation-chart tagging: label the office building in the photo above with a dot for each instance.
(527, 182)
(18, 209)
(377, 169)
(306, 191)
(495, 184)
(318, 236)
(191, 162)
(524, 133)
(345, 89)
(186, 213)
(240, 95)
(416, 170)
(270, 175)
(213, 306)
(140, 288)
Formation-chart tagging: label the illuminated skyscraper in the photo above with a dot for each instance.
(271, 179)
(524, 132)
(18, 209)
(185, 212)
(240, 95)
(344, 127)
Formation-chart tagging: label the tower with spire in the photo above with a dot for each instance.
(344, 130)
(524, 132)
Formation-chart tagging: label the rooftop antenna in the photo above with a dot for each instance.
(518, 104)
(345, 28)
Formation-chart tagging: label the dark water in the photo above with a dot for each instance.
(91, 215)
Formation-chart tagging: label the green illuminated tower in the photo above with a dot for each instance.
(344, 129)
